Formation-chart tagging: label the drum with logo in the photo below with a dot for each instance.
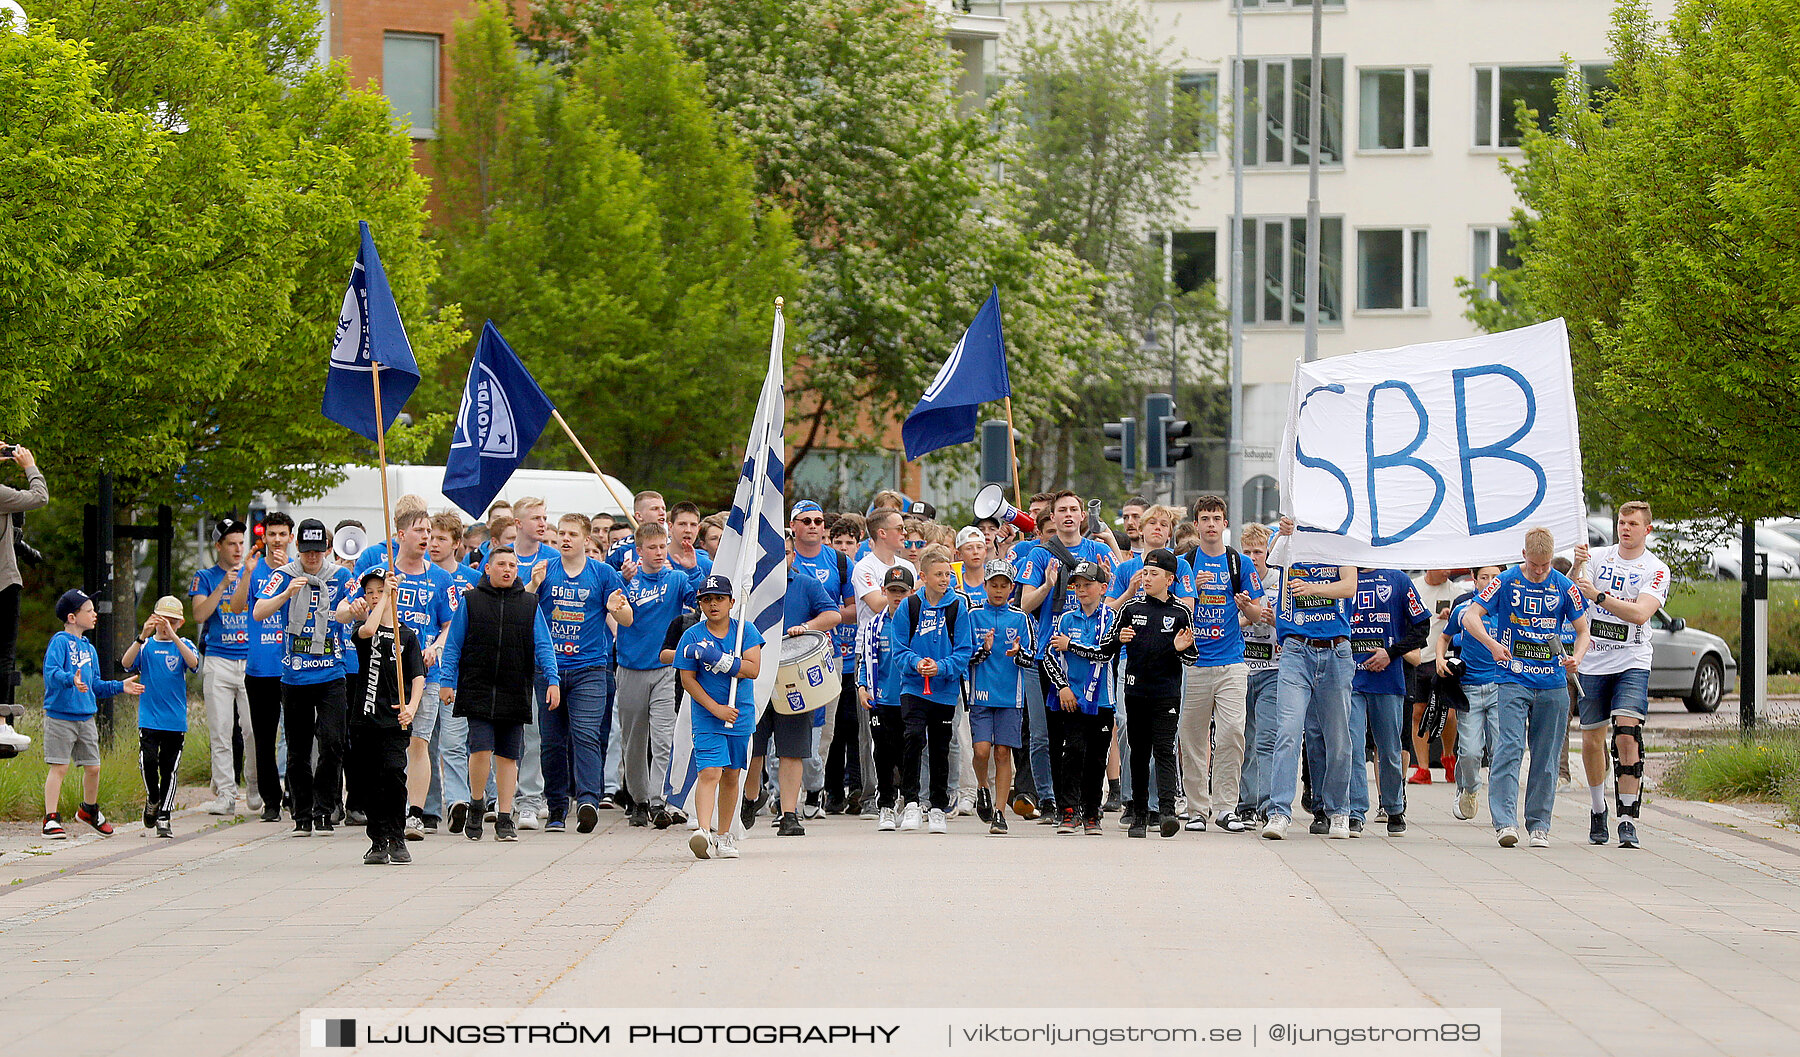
(808, 676)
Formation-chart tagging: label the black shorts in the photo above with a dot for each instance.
(792, 734)
(506, 740)
(1421, 681)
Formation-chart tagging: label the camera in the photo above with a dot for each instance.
(7, 451)
(24, 552)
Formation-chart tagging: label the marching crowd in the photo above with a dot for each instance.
(528, 674)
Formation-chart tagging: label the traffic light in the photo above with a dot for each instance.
(996, 453)
(258, 513)
(1173, 430)
(1162, 434)
(1124, 453)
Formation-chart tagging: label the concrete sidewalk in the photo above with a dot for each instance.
(211, 945)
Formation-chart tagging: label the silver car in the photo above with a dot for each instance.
(1688, 663)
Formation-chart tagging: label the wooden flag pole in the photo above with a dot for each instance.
(1012, 445)
(387, 537)
(573, 439)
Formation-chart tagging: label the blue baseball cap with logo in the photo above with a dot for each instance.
(805, 506)
(715, 584)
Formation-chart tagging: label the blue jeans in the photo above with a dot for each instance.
(1538, 716)
(574, 739)
(1039, 739)
(1475, 733)
(1386, 715)
(1259, 694)
(1313, 687)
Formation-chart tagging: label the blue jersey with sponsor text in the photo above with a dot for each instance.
(1530, 617)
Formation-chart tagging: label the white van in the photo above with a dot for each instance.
(359, 497)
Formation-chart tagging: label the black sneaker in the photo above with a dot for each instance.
(355, 818)
(1397, 825)
(1113, 801)
(587, 816)
(322, 825)
(1091, 827)
(984, 804)
(997, 826)
(790, 826)
(1154, 818)
(1320, 826)
(503, 828)
(459, 817)
(747, 811)
(431, 823)
(302, 827)
(472, 828)
(398, 853)
(1628, 837)
(660, 817)
(271, 813)
(1024, 804)
(377, 855)
(53, 827)
(610, 802)
(1047, 813)
(490, 811)
(1138, 829)
(163, 828)
(834, 802)
(149, 816)
(640, 815)
(1597, 833)
(1170, 825)
(1065, 822)
(337, 816)
(1356, 826)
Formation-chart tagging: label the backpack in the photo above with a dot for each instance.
(916, 604)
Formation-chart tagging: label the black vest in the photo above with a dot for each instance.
(495, 675)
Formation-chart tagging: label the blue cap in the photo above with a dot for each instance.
(715, 585)
(71, 602)
(805, 506)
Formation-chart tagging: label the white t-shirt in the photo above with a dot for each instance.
(1619, 646)
(1438, 601)
(866, 577)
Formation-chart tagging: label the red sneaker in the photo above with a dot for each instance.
(97, 820)
(1420, 776)
(1449, 768)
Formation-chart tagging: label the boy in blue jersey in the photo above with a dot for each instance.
(577, 594)
(932, 645)
(878, 678)
(721, 686)
(684, 531)
(1529, 603)
(1004, 659)
(1480, 683)
(305, 593)
(162, 659)
(1388, 620)
(425, 752)
(72, 686)
(1081, 725)
(1312, 625)
(812, 556)
(225, 644)
(645, 698)
(262, 668)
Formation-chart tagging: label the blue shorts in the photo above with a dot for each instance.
(997, 725)
(1625, 693)
(731, 751)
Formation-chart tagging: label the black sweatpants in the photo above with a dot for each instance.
(1079, 743)
(1155, 723)
(929, 727)
(314, 712)
(376, 765)
(843, 757)
(888, 729)
(265, 720)
(159, 754)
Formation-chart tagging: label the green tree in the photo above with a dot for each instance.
(1661, 227)
(237, 245)
(606, 221)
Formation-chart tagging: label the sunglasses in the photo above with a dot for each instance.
(809, 521)
(913, 545)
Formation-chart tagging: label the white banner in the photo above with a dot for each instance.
(1434, 456)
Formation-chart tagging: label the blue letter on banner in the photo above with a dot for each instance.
(1320, 464)
(1403, 457)
(1501, 450)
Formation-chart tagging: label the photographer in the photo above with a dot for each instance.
(13, 503)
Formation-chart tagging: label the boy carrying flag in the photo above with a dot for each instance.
(723, 722)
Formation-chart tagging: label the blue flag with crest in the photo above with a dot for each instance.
(974, 374)
(502, 415)
(369, 332)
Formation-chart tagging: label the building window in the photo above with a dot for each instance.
(1490, 248)
(409, 78)
(1391, 269)
(1193, 259)
(1284, 5)
(1276, 99)
(1499, 90)
(1200, 91)
(842, 480)
(1274, 280)
(1395, 110)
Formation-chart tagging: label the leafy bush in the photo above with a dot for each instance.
(1714, 606)
(1766, 768)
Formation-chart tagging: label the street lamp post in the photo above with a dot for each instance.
(1152, 345)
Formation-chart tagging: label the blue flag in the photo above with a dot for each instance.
(369, 332)
(974, 374)
(503, 412)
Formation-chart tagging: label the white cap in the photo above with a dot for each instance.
(969, 535)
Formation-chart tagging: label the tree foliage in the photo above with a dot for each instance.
(1662, 225)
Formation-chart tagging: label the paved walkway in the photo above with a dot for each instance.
(210, 944)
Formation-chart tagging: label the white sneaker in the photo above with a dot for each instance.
(965, 805)
(888, 821)
(1340, 827)
(13, 739)
(226, 804)
(910, 818)
(1381, 814)
(1181, 806)
(415, 827)
(528, 820)
(1276, 828)
(812, 811)
(1509, 836)
(701, 844)
(1539, 838)
(693, 824)
(1465, 805)
(937, 823)
(728, 848)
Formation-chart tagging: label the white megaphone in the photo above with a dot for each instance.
(349, 543)
(991, 502)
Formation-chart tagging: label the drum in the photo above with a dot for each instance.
(808, 676)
